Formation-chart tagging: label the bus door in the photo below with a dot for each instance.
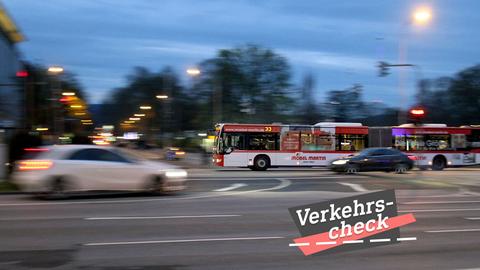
(233, 146)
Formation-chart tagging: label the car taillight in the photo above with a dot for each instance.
(34, 164)
(411, 157)
(35, 149)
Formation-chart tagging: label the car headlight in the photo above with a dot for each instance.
(176, 173)
(340, 162)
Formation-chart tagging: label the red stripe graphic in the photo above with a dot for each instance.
(312, 248)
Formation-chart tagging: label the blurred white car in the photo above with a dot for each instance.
(66, 168)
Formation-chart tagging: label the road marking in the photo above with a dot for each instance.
(184, 241)
(355, 187)
(406, 238)
(353, 241)
(473, 218)
(231, 187)
(440, 202)
(283, 184)
(454, 230)
(326, 243)
(438, 210)
(380, 240)
(273, 177)
(298, 244)
(159, 217)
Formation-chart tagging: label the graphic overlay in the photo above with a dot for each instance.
(362, 221)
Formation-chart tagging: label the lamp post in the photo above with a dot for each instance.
(58, 127)
(421, 16)
(216, 95)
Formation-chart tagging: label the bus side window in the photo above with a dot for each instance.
(473, 140)
(290, 141)
(325, 142)
(351, 142)
(307, 142)
(235, 141)
(262, 141)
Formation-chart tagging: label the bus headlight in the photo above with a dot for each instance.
(176, 173)
(340, 162)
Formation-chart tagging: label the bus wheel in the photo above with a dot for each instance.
(261, 163)
(439, 163)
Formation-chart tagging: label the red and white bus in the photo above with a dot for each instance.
(435, 146)
(259, 146)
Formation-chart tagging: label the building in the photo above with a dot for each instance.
(11, 94)
(10, 91)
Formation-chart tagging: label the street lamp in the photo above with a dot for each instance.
(422, 15)
(161, 96)
(193, 71)
(145, 107)
(68, 94)
(58, 120)
(55, 70)
(139, 115)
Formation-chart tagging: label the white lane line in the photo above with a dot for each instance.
(380, 240)
(438, 210)
(184, 241)
(353, 241)
(440, 202)
(231, 187)
(355, 187)
(473, 218)
(284, 183)
(407, 239)
(454, 230)
(299, 244)
(326, 243)
(306, 177)
(159, 217)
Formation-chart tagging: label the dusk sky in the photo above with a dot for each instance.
(339, 42)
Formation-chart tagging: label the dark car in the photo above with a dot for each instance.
(374, 159)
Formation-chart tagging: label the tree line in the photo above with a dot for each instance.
(252, 84)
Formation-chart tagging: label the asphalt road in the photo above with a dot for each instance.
(238, 219)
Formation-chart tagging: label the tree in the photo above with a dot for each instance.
(453, 101)
(167, 115)
(308, 111)
(39, 87)
(247, 83)
(464, 96)
(346, 105)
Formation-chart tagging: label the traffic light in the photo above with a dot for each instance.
(416, 115)
(383, 68)
(22, 74)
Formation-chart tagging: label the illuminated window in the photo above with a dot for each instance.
(351, 142)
